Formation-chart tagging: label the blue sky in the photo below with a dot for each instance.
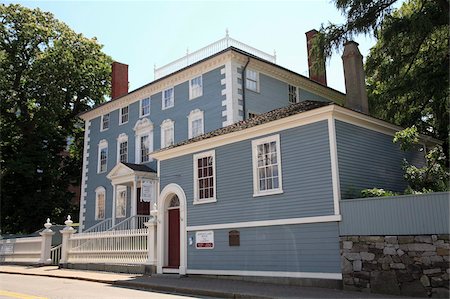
(144, 33)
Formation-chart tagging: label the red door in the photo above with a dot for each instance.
(143, 208)
(174, 238)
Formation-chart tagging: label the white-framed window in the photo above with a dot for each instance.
(195, 87)
(123, 115)
(167, 133)
(121, 201)
(252, 80)
(266, 156)
(105, 122)
(122, 148)
(102, 156)
(144, 140)
(293, 94)
(205, 177)
(168, 97)
(100, 198)
(144, 106)
(195, 123)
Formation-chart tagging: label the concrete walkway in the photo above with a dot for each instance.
(198, 286)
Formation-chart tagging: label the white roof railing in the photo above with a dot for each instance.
(207, 51)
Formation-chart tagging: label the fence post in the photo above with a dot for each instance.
(66, 234)
(47, 235)
(151, 244)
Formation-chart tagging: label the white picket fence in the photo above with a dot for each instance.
(21, 250)
(109, 247)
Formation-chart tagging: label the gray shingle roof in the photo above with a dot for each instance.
(139, 167)
(255, 121)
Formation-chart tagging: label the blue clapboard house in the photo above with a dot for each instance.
(243, 162)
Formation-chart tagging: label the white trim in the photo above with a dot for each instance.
(84, 175)
(142, 128)
(194, 115)
(167, 124)
(100, 190)
(140, 107)
(171, 270)
(120, 115)
(191, 96)
(102, 129)
(122, 138)
(162, 98)
(103, 144)
(119, 189)
(260, 223)
(162, 248)
(334, 164)
(255, 143)
(319, 275)
(293, 121)
(196, 191)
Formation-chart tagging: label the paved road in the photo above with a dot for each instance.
(36, 287)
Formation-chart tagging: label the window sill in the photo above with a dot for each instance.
(123, 123)
(103, 130)
(252, 90)
(271, 192)
(141, 116)
(165, 108)
(202, 201)
(193, 98)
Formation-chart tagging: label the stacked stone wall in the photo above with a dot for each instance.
(399, 265)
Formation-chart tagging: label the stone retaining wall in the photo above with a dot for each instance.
(399, 265)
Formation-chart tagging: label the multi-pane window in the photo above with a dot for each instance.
(123, 115)
(100, 203)
(195, 87)
(167, 133)
(196, 125)
(145, 107)
(293, 96)
(123, 151)
(204, 176)
(251, 80)
(167, 98)
(266, 166)
(121, 202)
(102, 156)
(145, 148)
(105, 122)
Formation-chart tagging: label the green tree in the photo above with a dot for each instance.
(408, 68)
(48, 75)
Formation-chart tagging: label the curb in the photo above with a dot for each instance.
(154, 287)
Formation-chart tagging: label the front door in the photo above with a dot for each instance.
(174, 238)
(143, 208)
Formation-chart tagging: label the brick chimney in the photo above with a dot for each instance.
(319, 74)
(119, 82)
(355, 79)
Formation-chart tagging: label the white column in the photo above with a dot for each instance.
(134, 199)
(113, 216)
(46, 246)
(66, 234)
(151, 241)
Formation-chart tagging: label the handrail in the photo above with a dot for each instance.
(55, 254)
(133, 222)
(99, 227)
(207, 51)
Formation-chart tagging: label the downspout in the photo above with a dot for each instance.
(243, 88)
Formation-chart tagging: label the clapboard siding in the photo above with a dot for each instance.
(307, 184)
(272, 94)
(369, 159)
(305, 95)
(396, 215)
(287, 248)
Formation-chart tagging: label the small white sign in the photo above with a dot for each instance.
(7, 248)
(204, 239)
(147, 191)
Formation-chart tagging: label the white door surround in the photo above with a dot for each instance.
(163, 231)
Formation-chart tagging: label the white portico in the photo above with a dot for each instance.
(138, 179)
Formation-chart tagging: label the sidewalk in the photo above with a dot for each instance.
(198, 286)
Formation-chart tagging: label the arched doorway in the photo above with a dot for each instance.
(171, 241)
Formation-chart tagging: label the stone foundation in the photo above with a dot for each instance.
(399, 265)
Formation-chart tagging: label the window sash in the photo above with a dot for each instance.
(168, 98)
(168, 136)
(197, 127)
(251, 80)
(196, 87)
(292, 94)
(145, 107)
(145, 148)
(267, 176)
(123, 151)
(124, 115)
(105, 121)
(205, 177)
(100, 212)
(121, 203)
(103, 159)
